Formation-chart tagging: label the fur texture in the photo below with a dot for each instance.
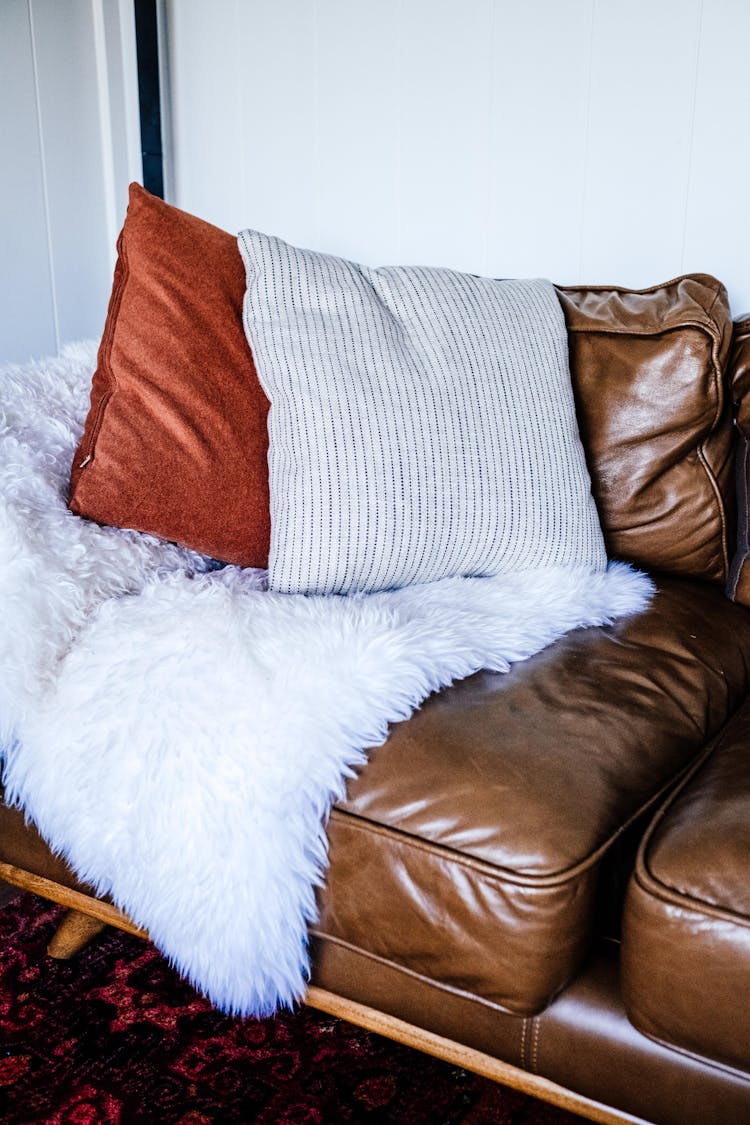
(179, 733)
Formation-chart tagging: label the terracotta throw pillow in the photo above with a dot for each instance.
(176, 442)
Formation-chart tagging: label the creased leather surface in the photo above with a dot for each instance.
(583, 1040)
(686, 927)
(648, 371)
(467, 850)
(739, 368)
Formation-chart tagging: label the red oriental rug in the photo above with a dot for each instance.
(116, 1037)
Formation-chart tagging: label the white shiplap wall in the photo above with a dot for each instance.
(69, 143)
(582, 140)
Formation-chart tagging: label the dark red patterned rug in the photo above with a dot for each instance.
(116, 1036)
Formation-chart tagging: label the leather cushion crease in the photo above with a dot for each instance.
(468, 851)
(686, 942)
(655, 420)
(583, 1040)
(738, 586)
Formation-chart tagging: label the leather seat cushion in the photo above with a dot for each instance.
(468, 850)
(686, 928)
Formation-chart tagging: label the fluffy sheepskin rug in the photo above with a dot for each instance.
(179, 734)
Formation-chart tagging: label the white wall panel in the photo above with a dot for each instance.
(584, 141)
(641, 97)
(27, 317)
(206, 74)
(541, 55)
(277, 139)
(69, 142)
(357, 161)
(119, 118)
(444, 115)
(717, 226)
(71, 148)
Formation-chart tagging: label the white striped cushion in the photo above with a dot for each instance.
(422, 423)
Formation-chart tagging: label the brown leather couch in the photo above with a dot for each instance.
(545, 876)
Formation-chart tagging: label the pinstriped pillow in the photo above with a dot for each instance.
(422, 423)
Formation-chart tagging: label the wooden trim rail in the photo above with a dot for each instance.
(359, 1014)
(66, 896)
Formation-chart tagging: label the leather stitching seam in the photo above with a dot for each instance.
(536, 1024)
(524, 1029)
(105, 349)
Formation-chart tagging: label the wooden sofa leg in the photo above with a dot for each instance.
(73, 934)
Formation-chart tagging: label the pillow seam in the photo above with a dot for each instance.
(105, 352)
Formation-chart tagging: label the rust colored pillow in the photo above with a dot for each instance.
(649, 375)
(176, 442)
(738, 587)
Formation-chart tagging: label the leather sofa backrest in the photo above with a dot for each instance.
(738, 586)
(649, 374)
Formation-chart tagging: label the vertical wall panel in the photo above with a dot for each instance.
(584, 141)
(117, 73)
(357, 164)
(69, 136)
(26, 299)
(444, 123)
(540, 66)
(278, 135)
(71, 148)
(638, 146)
(717, 226)
(205, 71)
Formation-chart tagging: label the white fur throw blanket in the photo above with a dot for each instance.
(179, 734)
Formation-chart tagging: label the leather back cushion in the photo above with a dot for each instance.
(175, 442)
(655, 419)
(738, 586)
